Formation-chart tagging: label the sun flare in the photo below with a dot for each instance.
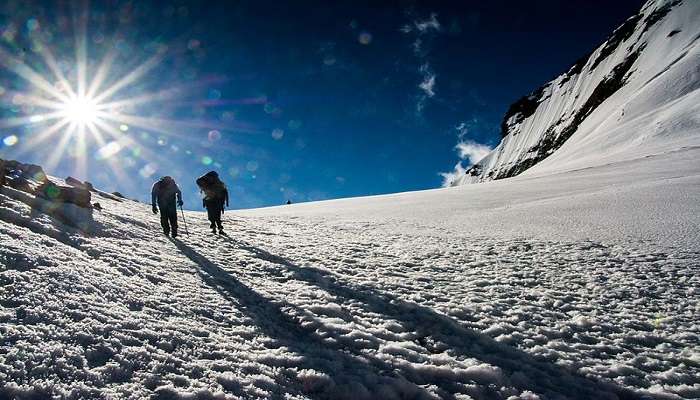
(97, 103)
(80, 110)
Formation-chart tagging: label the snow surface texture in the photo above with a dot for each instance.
(582, 284)
(634, 95)
(577, 279)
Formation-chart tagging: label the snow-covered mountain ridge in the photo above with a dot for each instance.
(634, 94)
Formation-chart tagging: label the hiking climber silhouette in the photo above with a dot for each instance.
(215, 196)
(163, 196)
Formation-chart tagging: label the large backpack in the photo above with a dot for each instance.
(212, 187)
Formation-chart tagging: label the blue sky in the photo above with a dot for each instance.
(303, 100)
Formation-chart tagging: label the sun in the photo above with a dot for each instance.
(103, 108)
(80, 110)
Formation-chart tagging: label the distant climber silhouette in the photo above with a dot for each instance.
(215, 196)
(163, 196)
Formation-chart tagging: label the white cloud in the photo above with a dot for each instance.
(429, 24)
(423, 26)
(468, 150)
(420, 105)
(449, 177)
(462, 130)
(424, 30)
(472, 151)
(418, 47)
(428, 85)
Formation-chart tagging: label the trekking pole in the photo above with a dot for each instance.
(184, 221)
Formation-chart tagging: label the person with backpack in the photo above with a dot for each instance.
(215, 195)
(163, 195)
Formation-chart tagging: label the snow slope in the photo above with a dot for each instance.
(634, 96)
(582, 284)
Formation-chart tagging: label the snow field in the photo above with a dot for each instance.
(297, 303)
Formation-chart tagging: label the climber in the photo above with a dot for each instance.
(163, 196)
(215, 196)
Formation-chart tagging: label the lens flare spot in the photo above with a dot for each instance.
(214, 135)
(32, 24)
(227, 116)
(233, 171)
(294, 124)
(52, 192)
(252, 166)
(148, 170)
(123, 127)
(365, 38)
(206, 160)
(193, 44)
(277, 134)
(108, 150)
(214, 94)
(10, 140)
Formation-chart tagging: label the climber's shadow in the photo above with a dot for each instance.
(346, 369)
(434, 330)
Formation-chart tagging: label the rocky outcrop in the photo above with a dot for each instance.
(32, 179)
(64, 194)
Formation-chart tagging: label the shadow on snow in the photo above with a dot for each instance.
(434, 331)
(345, 369)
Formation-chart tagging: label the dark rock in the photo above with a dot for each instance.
(16, 180)
(575, 69)
(520, 110)
(618, 36)
(24, 177)
(74, 182)
(64, 194)
(673, 33)
(97, 206)
(118, 195)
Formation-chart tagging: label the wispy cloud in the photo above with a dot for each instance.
(468, 150)
(424, 30)
(448, 178)
(431, 23)
(428, 83)
(472, 151)
(423, 25)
